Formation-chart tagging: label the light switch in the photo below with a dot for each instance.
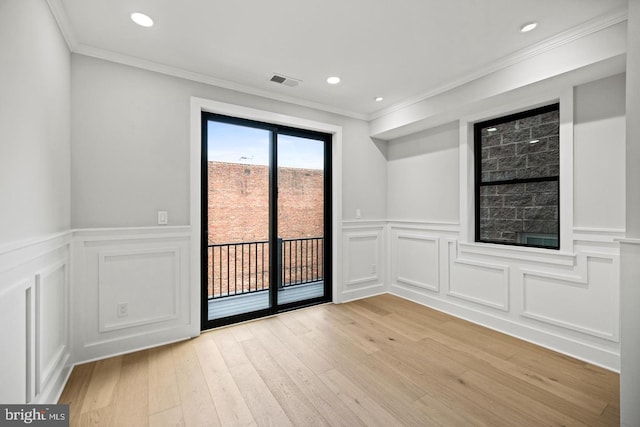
(163, 217)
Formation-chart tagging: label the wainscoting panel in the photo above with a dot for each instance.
(138, 282)
(138, 287)
(34, 322)
(479, 282)
(61, 296)
(566, 301)
(363, 262)
(416, 262)
(586, 302)
(51, 322)
(14, 303)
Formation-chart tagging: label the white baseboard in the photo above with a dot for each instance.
(364, 292)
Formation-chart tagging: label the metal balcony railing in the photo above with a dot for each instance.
(242, 268)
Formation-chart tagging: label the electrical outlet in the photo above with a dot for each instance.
(358, 214)
(123, 309)
(373, 269)
(163, 217)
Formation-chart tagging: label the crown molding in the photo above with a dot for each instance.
(60, 15)
(136, 62)
(575, 33)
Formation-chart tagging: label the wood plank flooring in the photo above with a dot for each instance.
(382, 361)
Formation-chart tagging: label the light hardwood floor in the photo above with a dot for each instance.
(382, 361)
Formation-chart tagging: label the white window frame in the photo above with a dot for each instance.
(467, 183)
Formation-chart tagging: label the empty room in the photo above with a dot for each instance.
(416, 213)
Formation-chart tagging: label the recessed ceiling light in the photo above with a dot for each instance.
(533, 141)
(492, 129)
(333, 80)
(379, 98)
(142, 19)
(528, 27)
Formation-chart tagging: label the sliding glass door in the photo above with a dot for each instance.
(265, 219)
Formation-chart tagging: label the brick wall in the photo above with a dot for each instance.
(239, 202)
(238, 211)
(509, 211)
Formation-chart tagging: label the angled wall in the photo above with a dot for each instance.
(35, 192)
(34, 122)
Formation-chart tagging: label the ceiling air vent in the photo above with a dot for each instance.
(284, 80)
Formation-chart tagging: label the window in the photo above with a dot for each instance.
(517, 186)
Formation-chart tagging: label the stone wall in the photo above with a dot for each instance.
(508, 212)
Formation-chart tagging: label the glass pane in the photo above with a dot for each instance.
(522, 148)
(238, 215)
(301, 218)
(520, 213)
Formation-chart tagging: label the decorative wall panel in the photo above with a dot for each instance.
(586, 301)
(363, 267)
(34, 319)
(51, 322)
(565, 301)
(416, 261)
(477, 281)
(138, 282)
(362, 253)
(15, 331)
(138, 287)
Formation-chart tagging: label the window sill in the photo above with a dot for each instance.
(522, 253)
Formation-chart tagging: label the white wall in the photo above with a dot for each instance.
(567, 300)
(34, 189)
(34, 122)
(599, 148)
(130, 146)
(420, 164)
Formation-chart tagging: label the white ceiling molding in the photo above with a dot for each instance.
(568, 36)
(447, 107)
(583, 30)
(60, 15)
(206, 79)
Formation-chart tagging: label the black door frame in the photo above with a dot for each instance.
(273, 216)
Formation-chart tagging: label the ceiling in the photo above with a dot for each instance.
(401, 50)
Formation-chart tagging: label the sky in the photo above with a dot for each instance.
(240, 144)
